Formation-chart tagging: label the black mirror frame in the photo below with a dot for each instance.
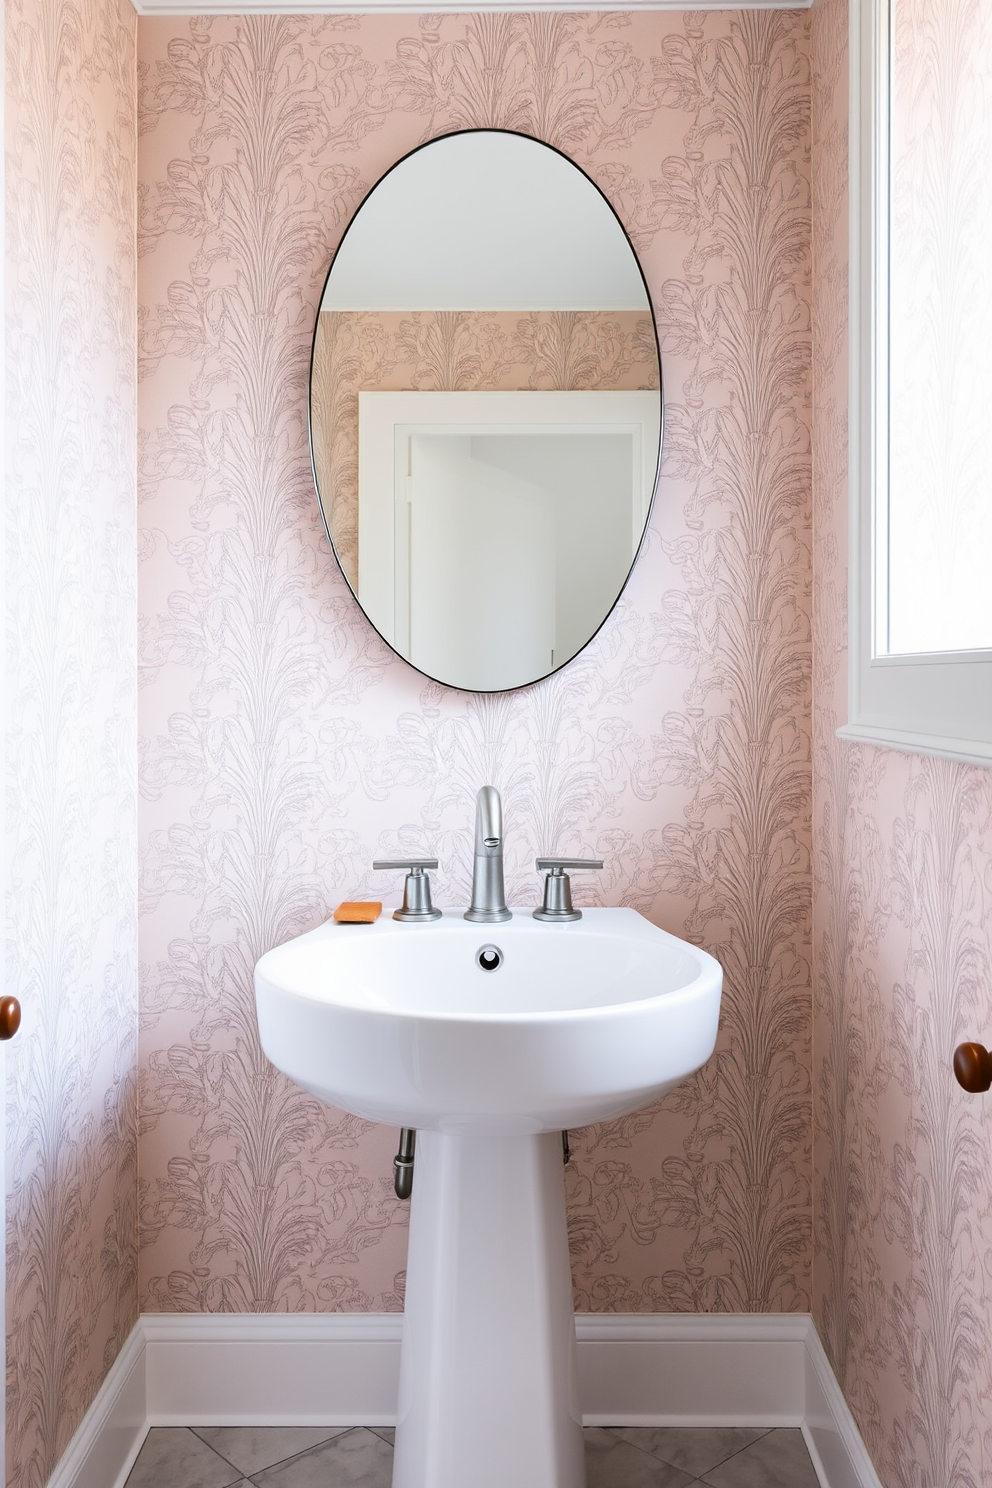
(447, 134)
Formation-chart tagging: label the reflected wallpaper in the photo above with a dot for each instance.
(454, 351)
(283, 747)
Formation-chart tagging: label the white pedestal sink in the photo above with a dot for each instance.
(400, 1023)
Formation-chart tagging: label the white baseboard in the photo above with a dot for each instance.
(301, 1369)
(341, 1369)
(835, 1445)
(112, 1430)
(681, 1369)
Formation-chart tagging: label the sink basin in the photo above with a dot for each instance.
(399, 1023)
(488, 1039)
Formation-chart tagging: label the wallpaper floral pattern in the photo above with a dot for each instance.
(903, 966)
(454, 351)
(282, 747)
(70, 749)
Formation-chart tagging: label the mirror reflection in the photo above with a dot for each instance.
(485, 409)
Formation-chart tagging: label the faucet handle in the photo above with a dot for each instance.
(557, 904)
(417, 889)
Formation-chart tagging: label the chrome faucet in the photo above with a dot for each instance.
(488, 894)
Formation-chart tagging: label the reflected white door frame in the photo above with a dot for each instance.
(386, 421)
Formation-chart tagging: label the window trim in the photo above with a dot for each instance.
(894, 701)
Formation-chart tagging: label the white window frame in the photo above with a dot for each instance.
(940, 703)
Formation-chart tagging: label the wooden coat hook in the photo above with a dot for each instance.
(973, 1067)
(10, 1017)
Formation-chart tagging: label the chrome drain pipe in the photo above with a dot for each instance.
(403, 1164)
(403, 1161)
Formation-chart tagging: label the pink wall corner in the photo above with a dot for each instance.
(902, 972)
(71, 1287)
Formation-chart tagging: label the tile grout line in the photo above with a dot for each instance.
(646, 1450)
(234, 1483)
(247, 1477)
(213, 1449)
(705, 1481)
(255, 1480)
(699, 1478)
(767, 1432)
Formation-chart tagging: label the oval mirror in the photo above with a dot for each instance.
(485, 408)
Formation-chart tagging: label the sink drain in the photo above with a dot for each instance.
(489, 957)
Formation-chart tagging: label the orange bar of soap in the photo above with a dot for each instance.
(351, 913)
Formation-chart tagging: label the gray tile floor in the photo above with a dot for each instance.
(362, 1457)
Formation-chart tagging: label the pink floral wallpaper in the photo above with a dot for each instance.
(282, 747)
(71, 952)
(454, 350)
(903, 961)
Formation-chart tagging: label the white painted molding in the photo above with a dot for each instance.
(964, 751)
(834, 1441)
(687, 1369)
(342, 1369)
(936, 704)
(386, 423)
(419, 7)
(283, 1369)
(110, 1434)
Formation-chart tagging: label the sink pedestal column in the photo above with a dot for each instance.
(488, 1391)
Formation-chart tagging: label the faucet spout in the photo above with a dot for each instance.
(488, 821)
(488, 893)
